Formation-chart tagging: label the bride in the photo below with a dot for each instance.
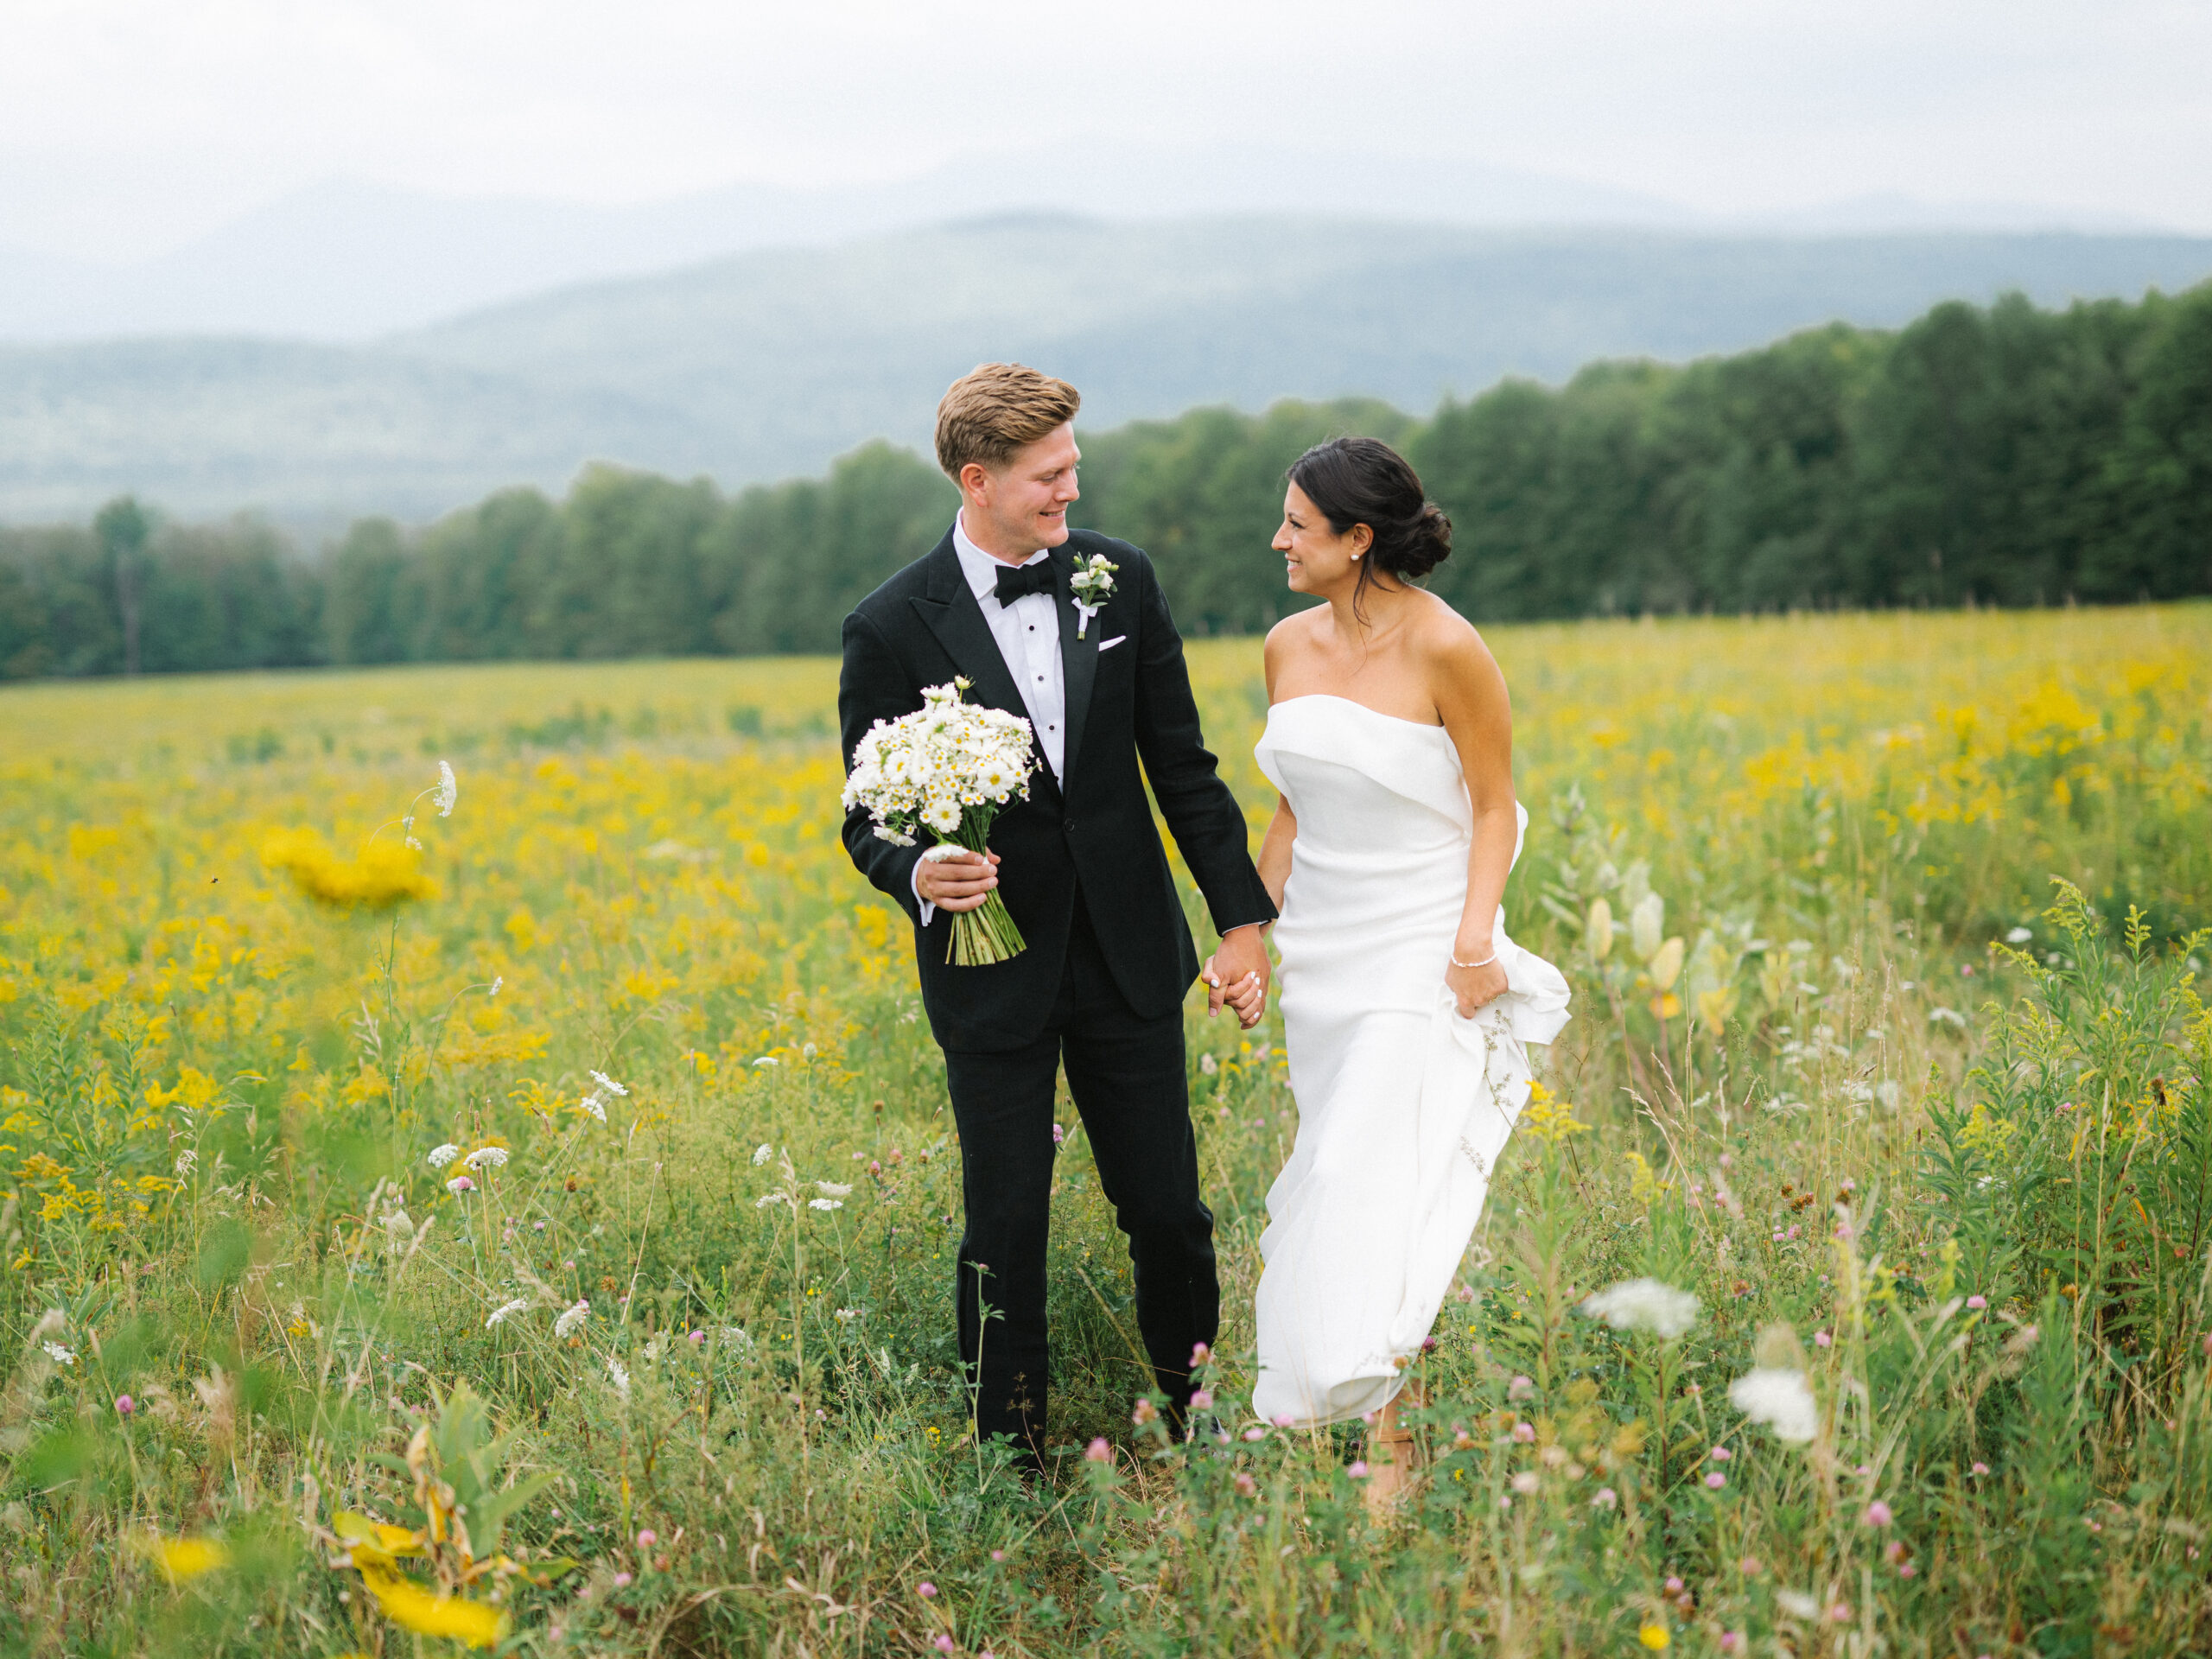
(1406, 1008)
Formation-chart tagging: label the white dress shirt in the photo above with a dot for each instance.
(1028, 632)
(1028, 636)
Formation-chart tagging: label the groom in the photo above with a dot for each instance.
(1079, 864)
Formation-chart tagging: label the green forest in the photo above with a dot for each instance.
(2006, 455)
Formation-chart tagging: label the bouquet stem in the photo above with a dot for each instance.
(986, 934)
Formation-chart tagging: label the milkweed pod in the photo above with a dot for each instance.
(1667, 966)
(1598, 934)
(1645, 924)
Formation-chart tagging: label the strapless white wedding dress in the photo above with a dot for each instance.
(1403, 1107)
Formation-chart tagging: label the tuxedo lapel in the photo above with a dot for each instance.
(949, 611)
(1079, 658)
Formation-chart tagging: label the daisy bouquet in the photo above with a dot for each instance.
(949, 768)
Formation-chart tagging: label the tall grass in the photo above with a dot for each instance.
(1907, 1119)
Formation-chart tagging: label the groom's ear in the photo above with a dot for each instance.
(974, 481)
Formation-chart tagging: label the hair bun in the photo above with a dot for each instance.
(1422, 545)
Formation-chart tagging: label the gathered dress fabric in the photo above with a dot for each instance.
(1404, 1106)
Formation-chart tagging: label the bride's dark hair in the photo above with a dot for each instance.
(1365, 481)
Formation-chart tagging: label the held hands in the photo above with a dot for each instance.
(958, 882)
(1236, 977)
(1474, 987)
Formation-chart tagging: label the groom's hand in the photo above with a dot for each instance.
(959, 881)
(1236, 975)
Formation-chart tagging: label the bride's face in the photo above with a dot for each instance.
(1316, 559)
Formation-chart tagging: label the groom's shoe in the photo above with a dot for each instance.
(1023, 1460)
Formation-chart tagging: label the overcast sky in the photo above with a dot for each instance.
(126, 125)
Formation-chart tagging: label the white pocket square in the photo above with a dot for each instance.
(1109, 644)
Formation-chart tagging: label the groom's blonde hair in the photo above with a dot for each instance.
(994, 410)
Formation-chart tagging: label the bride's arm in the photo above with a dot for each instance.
(1282, 829)
(1478, 715)
(1275, 851)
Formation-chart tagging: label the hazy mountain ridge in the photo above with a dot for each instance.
(768, 364)
(346, 259)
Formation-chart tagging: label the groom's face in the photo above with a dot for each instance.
(1013, 510)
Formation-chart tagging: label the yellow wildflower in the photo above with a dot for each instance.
(1549, 1119)
(406, 1603)
(182, 1559)
(385, 873)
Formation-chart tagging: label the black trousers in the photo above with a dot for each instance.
(1127, 1075)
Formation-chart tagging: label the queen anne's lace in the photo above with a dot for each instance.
(1647, 1305)
(1780, 1398)
(595, 1103)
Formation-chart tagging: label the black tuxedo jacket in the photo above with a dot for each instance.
(1094, 828)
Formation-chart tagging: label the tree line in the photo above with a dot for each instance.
(2002, 456)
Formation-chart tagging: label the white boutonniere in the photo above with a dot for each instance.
(1091, 584)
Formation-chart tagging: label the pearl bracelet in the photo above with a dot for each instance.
(1485, 962)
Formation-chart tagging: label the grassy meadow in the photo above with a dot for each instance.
(542, 1240)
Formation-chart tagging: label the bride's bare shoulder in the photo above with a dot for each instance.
(1448, 645)
(1290, 638)
(1440, 630)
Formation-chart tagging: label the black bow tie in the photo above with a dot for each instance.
(1024, 579)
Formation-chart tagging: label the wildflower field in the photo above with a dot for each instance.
(525, 1218)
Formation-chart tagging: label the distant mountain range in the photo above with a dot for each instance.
(768, 362)
(345, 260)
